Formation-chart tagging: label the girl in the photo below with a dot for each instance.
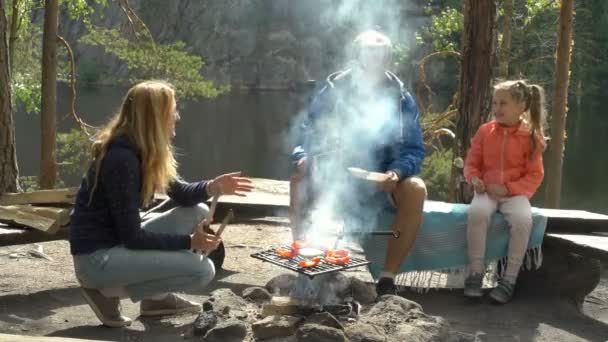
(505, 167)
(115, 254)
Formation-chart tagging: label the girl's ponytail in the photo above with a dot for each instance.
(537, 117)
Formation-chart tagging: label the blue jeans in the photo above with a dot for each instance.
(144, 273)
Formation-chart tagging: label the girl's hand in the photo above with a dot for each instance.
(478, 185)
(230, 184)
(204, 241)
(497, 190)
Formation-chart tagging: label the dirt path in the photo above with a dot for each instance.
(41, 297)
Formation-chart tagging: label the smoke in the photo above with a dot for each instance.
(354, 123)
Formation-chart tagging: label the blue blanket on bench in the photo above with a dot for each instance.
(441, 243)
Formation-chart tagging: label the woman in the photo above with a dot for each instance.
(115, 254)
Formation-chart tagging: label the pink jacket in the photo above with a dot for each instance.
(501, 155)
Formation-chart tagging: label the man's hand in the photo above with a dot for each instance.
(497, 190)
(204, 241)
(390, 183)
(230, 184)
(478, 185)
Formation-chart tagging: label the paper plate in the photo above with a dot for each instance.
(368, 175)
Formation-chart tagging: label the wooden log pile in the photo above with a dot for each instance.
(45, 210)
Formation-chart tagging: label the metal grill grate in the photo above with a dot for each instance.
(323, 267)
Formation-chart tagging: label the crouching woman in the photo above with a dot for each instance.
(115, 253)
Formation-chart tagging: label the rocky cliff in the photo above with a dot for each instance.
(258, 43)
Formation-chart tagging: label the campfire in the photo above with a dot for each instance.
(309, 264)
(319, 286)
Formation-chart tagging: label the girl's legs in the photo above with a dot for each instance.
(518, 212)
(480, 213)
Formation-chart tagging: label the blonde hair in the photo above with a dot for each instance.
(534, 97)
(144, 117)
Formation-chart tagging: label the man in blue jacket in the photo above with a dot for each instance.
(363, 117)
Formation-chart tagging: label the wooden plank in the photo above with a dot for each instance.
(28, 219)
(23, 338)
(595, 246)
(14, 236)
(66, 196)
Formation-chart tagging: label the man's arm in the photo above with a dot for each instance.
(304, 131)
(409, 147)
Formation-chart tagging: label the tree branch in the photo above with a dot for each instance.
(134, 20)
(83, 125)
(422, 73)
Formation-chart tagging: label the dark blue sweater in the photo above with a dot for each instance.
(112, 218)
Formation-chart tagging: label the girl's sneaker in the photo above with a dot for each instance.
(503, 292)
(472, 285)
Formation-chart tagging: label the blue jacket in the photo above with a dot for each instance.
(112, 218)
(401, 150)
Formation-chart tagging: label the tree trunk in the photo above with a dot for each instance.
(560, 102)
(13, 36)
(9, 172)
(478, 56)
(48, 117)
(505, 48)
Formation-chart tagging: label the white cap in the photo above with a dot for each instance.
(372, 38)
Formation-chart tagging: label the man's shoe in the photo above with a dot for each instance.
(472, 285)
(106, 309)
(170, 305)
(386, 286)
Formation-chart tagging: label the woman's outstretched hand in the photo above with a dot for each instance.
(230, 184)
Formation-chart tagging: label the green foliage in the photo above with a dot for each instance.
(436, 170)
(72, 154)
(29, 183)
(88, 72)
(536, 7)
(147, 60)
(444, 31)
(78, 9)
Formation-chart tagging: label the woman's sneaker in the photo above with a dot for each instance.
(503, 293)
(472, 285)
(106, 309)
(172, 304)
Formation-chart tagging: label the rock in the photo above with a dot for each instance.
(565, 275)
(324, 318)
(363, 292)
(224, 300)
(423, 331)
(207, 306)
(205, 321)
(393, 304)
(362, 332)
(281, 285)
(229, 331)
(281, 306)
(405, 321)
(257, 294)
(334, 288)
(240, 314)
(319, 333)
(275, 326)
